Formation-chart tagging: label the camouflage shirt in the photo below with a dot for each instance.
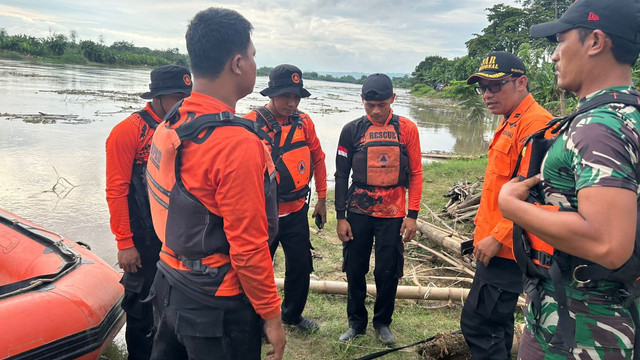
(599, 148)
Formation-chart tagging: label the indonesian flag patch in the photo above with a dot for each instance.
(342, 151)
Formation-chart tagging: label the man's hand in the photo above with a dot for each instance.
(486, 249)
(321, 208)
(408, 229)
(344, 230)
(129, 260)
(515, 191)
(274, 331)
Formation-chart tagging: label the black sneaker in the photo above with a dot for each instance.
(385, 335)
(307, 325)
(350, 334)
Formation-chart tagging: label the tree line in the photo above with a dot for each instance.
(404, 81)
(508, 30)
(60, 48)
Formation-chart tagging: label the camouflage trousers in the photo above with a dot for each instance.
(602, 326)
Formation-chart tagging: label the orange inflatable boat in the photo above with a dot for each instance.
(58, 300)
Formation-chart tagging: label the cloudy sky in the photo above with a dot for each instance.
(390, 36)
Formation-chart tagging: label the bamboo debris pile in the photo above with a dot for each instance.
(463, 201)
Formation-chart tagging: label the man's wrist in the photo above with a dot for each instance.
(341, 214)
(412, 214)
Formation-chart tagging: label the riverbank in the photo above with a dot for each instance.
(414, 320)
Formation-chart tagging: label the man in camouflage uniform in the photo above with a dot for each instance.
(591, 174)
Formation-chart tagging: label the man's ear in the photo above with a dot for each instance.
(598, 42)
(236, 64)
(522, 81)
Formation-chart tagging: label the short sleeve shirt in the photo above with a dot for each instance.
(598, 148)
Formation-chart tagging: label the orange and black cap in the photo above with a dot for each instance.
(285, 79)
(498, 65)
(377, 87)
(168, 79)
(614, 17)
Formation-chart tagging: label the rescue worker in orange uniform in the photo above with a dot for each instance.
(298, 156)
(487, 317)
(127, 151)
(382, 151)
(209, 177)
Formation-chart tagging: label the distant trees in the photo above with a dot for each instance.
(402, 82)
(508, 30)
(59, 47)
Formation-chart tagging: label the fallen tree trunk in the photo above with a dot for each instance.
(404, 292)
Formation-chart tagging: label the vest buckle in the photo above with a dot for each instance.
(575, 275)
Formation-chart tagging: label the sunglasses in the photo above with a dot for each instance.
(493, 87)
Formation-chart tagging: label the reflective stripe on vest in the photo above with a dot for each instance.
(381, 158)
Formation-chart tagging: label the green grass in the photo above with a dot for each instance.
(413, 320)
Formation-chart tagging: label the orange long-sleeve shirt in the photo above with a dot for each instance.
(226, 173)
(127, 144)
(317, 157)
(393, 200)
(508, 141)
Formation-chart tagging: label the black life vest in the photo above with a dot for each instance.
(380, 158)
(138, 197)
(538, 260)
(290, 154)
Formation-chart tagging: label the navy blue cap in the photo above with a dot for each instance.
(377, 87)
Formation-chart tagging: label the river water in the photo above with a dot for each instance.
(54, 173)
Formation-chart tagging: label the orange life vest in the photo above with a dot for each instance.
(380, 159)
(290, 154)
(186, 227)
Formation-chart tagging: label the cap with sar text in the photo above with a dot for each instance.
(614, 17)
(497, 66)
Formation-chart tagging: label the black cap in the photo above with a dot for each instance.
(497, 66)
(168, 79)
(613, 17)
(377, 87)
(285, 79)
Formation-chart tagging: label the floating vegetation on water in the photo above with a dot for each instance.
(123, 109)
(33, 75)
(328, 110)
(42, 118)
(110, 94)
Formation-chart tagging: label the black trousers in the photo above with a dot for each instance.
(293, 235)
(487, 316)
(389, 262)
(190, 330)
(139, 326)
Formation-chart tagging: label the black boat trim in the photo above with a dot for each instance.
(78, 344)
